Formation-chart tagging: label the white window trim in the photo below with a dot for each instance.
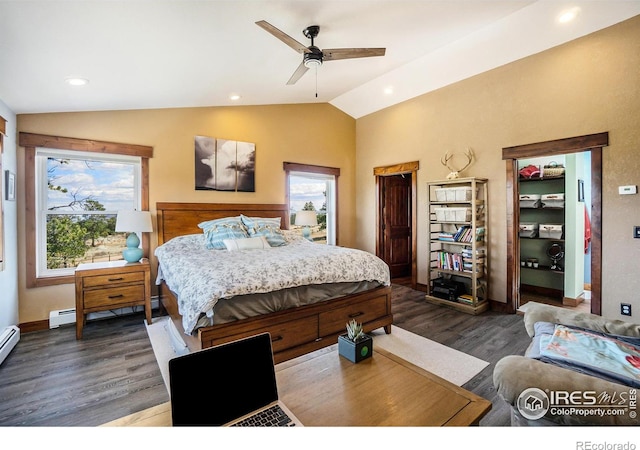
(41, 189)
(330, 184)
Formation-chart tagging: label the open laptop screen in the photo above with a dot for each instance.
(219, 384)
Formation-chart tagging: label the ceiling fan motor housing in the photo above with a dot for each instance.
(311, 32)
(314, 58)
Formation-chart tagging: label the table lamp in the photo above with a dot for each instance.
(306, 219)
(132, 222)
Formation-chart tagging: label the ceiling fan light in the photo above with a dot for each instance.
(312, 63)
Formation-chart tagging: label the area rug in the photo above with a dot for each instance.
(448, 363)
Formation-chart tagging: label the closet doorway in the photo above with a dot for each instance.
(593, 143)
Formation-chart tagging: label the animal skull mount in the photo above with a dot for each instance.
(455, 173)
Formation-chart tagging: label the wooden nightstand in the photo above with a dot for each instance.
(111, 285)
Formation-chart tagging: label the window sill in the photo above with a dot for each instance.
(50, 281)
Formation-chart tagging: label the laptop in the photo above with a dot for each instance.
(226, 385)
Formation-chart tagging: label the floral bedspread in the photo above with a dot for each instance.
(200, 277)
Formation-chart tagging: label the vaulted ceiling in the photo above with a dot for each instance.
(140, 54)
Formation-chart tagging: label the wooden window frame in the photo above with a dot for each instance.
(31, 141)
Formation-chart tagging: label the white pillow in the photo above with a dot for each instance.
(234, 245)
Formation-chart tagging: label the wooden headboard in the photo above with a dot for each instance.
(178, 219)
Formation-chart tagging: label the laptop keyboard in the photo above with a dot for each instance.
(270, 417)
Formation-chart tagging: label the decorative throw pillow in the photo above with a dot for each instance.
(268, 227)
(234, 245)
(216, 231)
(293, 236)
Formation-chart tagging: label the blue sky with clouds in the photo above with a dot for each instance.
(302, 190)
(109, 183)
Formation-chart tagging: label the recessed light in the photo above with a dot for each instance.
(388, 90)
(75, 81)
(568, 15)
(234, 97)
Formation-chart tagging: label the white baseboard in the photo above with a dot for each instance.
(68, 316)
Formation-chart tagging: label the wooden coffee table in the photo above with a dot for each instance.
(324, 389)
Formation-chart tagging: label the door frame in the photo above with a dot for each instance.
(399, 169)
(593, 143)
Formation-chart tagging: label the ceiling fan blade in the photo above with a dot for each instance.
(332, 54)
(291, 42)
(301, 70)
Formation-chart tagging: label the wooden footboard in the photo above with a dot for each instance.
(295, 331)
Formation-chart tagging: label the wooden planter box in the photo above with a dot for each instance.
(355, 351)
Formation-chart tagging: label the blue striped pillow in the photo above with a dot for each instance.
(269, 227)
(216, 231)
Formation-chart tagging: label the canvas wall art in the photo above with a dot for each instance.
(224, 165)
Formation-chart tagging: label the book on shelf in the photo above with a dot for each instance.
(449, 261)
(463, 234)
(466, 298)
(468, 252)
(444, 236)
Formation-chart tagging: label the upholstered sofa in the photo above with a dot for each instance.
(515, 375)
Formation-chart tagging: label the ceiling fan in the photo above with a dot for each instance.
(312, 56)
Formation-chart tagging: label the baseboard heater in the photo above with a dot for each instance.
(8, 339)
(67, 316)
(62, 317)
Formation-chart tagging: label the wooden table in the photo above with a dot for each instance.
(324, 389)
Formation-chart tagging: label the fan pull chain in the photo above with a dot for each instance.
(316, 81)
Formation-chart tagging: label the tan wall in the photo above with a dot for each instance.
(586, 86)
(310, 134)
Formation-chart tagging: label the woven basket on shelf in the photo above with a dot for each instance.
(552, 170)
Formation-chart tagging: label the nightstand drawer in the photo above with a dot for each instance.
(113, 297)
(109, 280)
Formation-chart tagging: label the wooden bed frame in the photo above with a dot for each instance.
(295, 331)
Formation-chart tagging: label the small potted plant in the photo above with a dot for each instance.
(355, 345)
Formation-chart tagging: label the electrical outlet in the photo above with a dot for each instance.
(625, 309)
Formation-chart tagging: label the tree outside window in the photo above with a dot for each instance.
(314, 188)
(80, 201)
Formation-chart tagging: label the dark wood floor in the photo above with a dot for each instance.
(50, 379)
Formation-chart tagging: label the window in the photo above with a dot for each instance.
(78, 195)
(314, 188)
(73, 190)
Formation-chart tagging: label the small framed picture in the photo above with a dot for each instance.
(10, 185)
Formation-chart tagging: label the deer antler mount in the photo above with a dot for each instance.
(455, 173)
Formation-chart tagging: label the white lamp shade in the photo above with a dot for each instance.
(134, 221)
(306, 218)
